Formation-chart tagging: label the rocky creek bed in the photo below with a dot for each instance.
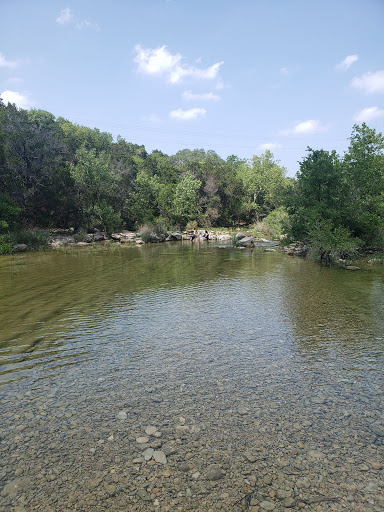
(183, 436)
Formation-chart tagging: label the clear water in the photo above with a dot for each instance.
(197, 331)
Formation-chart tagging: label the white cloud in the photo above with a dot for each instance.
(284, 71)
(368, 114)
(21, 100)
(159, 61)
(270, 145)
(4, 63)
(310, 126)
(186, 115)
(347, 62)
(156, 62)
(208, 96)
(67, 17)
(370, 83)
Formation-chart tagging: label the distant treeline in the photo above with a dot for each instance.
(54, 173)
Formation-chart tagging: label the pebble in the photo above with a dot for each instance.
(122, 415)
(142, 440)
(214, 472)
(160, 457)
(150, 431)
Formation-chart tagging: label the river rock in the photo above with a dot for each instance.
(148, 454)
(377, 429)
(122, 415)
(248, 241)
(20, 247)
(151, 430)
(142, 440)
(16, 486)
(214, 472)
(160, 457)
(267, 505)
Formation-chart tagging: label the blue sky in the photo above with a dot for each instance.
(237, 77)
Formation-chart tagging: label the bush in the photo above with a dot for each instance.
(276, 221)
(80, 236)
(328, 243)
(6, 244)
(145, 233)
(33, 238)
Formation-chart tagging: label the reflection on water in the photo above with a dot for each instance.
(204, 332)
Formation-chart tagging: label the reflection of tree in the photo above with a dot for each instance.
(333, 309)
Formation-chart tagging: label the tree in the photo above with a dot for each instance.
(185, 202)
(263, 180)
(94, 185)
(364, 177)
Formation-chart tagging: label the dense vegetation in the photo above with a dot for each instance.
(54, 173)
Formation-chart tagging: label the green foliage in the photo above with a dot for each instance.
(328, 243)
(9, 212)
(6, 244)
(277, 221)
(145, 233)
(263, 181)
(34, 239)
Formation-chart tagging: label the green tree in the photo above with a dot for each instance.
(263, 181)
(364, 178)
(94, 186)
(185, 202)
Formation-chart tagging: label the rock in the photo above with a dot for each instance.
(242, 410)
(111, 489)
(315, 454)
(174, 236)
(267, 505)
(150, 430)
(142, 440)
(351, 267)
(182, 429)
(99, 237)
(160, 457)
(248, 241)
(289, 502)
(250, 457)
(377, 429)
(16, 486)
(303, 483)
(239, 236)
(20, 247)
(148, 454)
(122, 415)
(214, 472)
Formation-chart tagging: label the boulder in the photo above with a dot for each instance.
(174, 237)
(247, 241)
(20, 247)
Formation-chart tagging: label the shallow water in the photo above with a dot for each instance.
(275, 365)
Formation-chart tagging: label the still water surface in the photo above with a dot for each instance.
(255, 351)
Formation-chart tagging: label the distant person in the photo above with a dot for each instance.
(195, 235)
(206, 235)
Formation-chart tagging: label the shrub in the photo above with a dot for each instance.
(276, 221)
(80, 236)
(32, 238)
(6, 244)
(328, 243)
(145, 233)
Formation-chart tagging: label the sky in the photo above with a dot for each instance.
(234, 76)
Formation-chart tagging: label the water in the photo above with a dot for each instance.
(275, 365)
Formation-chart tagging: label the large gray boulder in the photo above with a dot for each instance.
(248, 241)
